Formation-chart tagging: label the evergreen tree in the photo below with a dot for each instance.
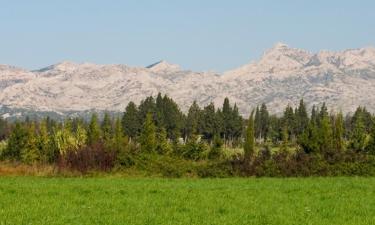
(145, 107)
(325, 135)
(30, 153)
(43, 143)
(172, 118)
(302, 118)
(131, 124)
(192, 119)
(249, 145)
(93, 134)
(237, 123)
(323, 112)
(264, 121)
(106, 128)
(257, 124)
(358, 135)
(309, 140)
(289, 121)
(163, 145)
(160, 111)
(148, 135)
(119, 141)
(208, 124)
(17, 142)
(338, 132)
(227, 119)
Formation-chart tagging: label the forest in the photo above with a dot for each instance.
(157, 138)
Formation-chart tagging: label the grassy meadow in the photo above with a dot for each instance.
(116, 200)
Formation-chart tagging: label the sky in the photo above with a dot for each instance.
(202, 35)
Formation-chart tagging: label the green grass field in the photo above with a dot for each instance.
(32, 200)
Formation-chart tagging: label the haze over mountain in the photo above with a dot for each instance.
(283, 75)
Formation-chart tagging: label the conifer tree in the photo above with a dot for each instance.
(119, 141)
(131, 124)
(192, 120)
(249, 145)
(93, 133)
(106, 128)
(302, 118)
(208, 124)
(338, 132)
(30, 153)
(43, 142)
(163, 145)
(325, 134)
(237, 123)
(227, 119)
(309, 140)
(257, 124)
(17, 142)
(289, 121)
(358, 135)
(148, 135)
(264, 121)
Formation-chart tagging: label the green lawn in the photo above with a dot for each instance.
(32, 200)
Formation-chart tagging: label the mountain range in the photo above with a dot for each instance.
(283, 75)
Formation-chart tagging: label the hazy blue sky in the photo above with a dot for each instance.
(197, 34)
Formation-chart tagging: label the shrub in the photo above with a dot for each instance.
(88, 158)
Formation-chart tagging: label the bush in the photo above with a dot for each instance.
(88, 158)
(195, 149)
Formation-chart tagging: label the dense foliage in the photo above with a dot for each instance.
(155, 136)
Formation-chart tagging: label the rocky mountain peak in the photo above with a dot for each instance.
(164, 66)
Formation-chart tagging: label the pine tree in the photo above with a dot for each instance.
(264, 121)
(163, 145)
(249, 145)
(192, 119)
(131, 124)
(30, 153)
(172, 118)
(257, 124)
(148, 135)
(17, 142)
(358, 135)
(237, 123)
(338, 132)
(208, 124)
(160, 111)
(302, 118)
(227, 119)
(309, 140)
(106, 128)
(43, 142)
(119, 141)
(325, 134)
(289, 121)
(93, 133)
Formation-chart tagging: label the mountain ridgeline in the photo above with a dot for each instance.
(282, 76)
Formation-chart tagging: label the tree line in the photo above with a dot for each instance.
(158, 127)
